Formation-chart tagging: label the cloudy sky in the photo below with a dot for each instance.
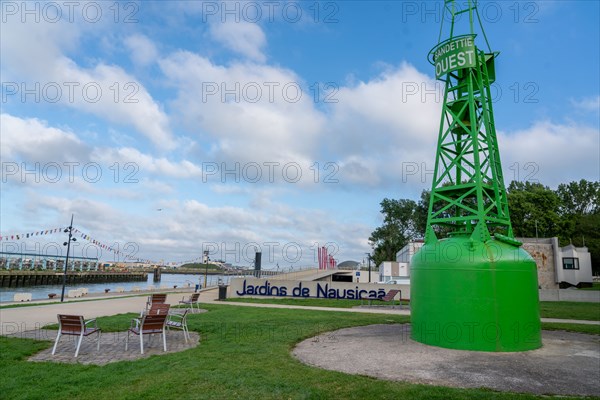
(168, 128)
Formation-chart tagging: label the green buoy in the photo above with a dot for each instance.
(475, 289)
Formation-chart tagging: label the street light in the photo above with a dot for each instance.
(206, 259)
(369, 264)
(68, 244)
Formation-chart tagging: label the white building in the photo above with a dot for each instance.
(399, 269)
(576, 265)
(557, 266)
(393, 270)
(407, 252)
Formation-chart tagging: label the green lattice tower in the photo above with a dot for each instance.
(468, 193)
(477, 288)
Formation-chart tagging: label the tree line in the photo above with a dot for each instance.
(571, 213)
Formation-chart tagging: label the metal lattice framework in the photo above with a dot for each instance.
(468, 194)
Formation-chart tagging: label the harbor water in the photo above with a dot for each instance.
(167, 281)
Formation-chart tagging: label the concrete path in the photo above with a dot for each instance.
(21, 319)
(31, 317)
(570, 321)
(567, 364)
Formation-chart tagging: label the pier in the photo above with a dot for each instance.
(15, 279)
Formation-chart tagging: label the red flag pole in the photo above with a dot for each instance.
(319, 256)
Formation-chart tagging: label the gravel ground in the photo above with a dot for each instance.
(567, 364)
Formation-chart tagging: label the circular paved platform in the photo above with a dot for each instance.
(567, 364)
(112, 347)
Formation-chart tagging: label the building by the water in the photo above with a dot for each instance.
(558, 267)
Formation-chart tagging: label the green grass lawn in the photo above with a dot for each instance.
(244, 354)
(580, 328)
(570, 310)
(341, 303)
(548, 309)
(595, 286)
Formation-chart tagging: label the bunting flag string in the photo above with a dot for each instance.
(77, 233)
(326, 261)
(113, 249)
(28, 235)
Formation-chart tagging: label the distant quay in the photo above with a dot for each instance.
(15, 279)
(200, 271)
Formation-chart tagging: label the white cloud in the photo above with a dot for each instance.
(28, 49)
(551, 153)
(143, 51)
(270, 129)
(32, 140)
(53, 159)
(398, 109)
(354, 170)
(370, 133)
(157, 186)
(146, 163)
(282, 233)
(115, 95)
(242, 37)
(380, 126)
(588, 104)
(34, 56)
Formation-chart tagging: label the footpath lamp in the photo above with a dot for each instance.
(369, 264)
(68, 230)
(206, 260)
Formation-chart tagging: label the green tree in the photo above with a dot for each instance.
(586, 232)
(421, 213)
(533, 210)
(572, 213)
(580, 212)
(399, 227)
(579, 198)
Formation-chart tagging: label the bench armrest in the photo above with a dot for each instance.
(90, 321)
(135, 322)
(173, 316)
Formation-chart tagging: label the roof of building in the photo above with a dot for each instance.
(348, 264)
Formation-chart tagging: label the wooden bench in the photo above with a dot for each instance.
(148, 325)
(193, 299)
(156, 298)
(76, 325)
(389, 297)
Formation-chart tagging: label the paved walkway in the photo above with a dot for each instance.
(21, 319)
(567, 364)
(32, 317)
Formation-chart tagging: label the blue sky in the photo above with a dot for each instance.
(318, 110)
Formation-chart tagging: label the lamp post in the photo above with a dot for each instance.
(206, 259)
(68, 244)
(369, 264)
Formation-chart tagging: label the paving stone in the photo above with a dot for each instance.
(112, 346)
